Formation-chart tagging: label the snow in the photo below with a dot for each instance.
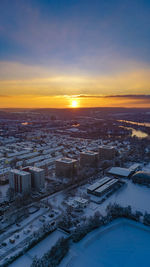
(23, 261)
(137, 196)
(120, 171)
(25, 231)
(131, 194)
(122, 243)
(38, 250)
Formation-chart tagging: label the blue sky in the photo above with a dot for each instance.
(66, 31)
(93, 39)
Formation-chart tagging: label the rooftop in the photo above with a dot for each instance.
(35, 168)
(89, 152)
(19, 172)
(106, 147)
(124, 172)
(66, 160)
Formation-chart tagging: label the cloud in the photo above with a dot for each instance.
(5, 96)
(139, 96)
(114, 96)
(22, 79)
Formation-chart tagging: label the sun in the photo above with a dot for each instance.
(74, 103)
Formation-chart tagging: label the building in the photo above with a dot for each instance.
(102, 186)
(141, 177)
(77, 202)
(37, 177)
(120, 172)
(20, 181)
(81, 202)
(89, 158)
(66, 167)
(96, 185)
(105, 188)
(107, 152)
(135, 167)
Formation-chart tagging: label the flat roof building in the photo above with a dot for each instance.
(20, 181)
(120, 172)
(96, 185)
(135, 167)
(66, 167)
(37, 177)
(141, 177)
(107, 152)
(105, 188)
(89, 158)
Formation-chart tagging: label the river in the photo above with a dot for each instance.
(146, 124)
(137, 133)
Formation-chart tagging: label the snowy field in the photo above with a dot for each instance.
(39, 250)
(121, 244)
(137, 196)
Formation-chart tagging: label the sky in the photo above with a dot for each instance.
(74, 53)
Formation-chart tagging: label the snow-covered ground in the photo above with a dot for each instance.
(25, 232)
(38, 250)
(137, 196)
(121, 244)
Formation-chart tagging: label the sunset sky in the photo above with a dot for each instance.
(74, 53)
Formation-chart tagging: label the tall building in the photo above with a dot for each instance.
(107, 152)
(89, 158)
(37, 177)
(66, 167)
(20, 181)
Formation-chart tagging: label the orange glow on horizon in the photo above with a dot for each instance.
(32, 101)
(74, 103)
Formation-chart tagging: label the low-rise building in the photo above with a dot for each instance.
(135, 167)
(97, 184)
(102, 186)
(120, 172)
(106, 187)
(141, 177)
(77, 202)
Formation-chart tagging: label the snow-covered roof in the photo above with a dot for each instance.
(19, 172)
(98, 184)
(66, 160)
(118, 171)
(89, 152)
(134, 167)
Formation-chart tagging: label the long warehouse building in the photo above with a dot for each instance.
(105, 188)
(96, 185)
